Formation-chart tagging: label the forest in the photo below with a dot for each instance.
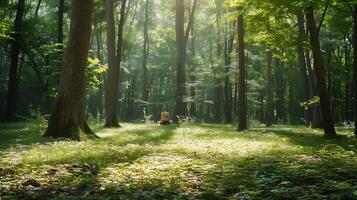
(178, 99)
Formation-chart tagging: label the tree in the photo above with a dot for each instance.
(320, 74)
(13, 73)
(114, 59)
(354, 9)
(145, 54)
(269, 113)
(60, 21)
(242, 75)
(302, 65)
(68, 118)
(181, 43)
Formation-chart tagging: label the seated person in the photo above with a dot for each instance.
(165, 117)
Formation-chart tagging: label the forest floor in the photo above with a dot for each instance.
(145, 161)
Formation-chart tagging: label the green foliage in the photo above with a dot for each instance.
(311, 102)
(93, 73)
(37, 119)
(5, 31)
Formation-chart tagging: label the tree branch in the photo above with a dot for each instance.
(190, 22)
(323, 17)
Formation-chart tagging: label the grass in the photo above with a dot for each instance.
(202, 161)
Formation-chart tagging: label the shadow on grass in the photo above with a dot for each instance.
(272, 174)
(12, 134)
(297, 135)
(307, 137)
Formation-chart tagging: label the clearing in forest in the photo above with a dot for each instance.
(144, 161)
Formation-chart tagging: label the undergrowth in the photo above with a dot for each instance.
(147, 161)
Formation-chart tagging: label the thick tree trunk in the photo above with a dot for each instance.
(13, 73)
(303, 71)
(269, 113)
(145, 55)
(111, 90)
(68, 117)
(181, 106)
(242, 99)
(355, 61)
(320, 74)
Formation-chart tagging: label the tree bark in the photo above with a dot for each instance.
(145, 55)
(181, 43)
(228, 48)
(303, 71)
(180, 108)
(242, 125)
(269, 113)
(355, 61)
(68, 117)
(329, 128)
(111, 119)
(316, 113)
(60, 22)
(13, 73)
(279, 89)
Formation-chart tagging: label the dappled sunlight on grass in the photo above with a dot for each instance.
(202, 161)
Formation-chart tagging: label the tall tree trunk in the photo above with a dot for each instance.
(192, 76)
(13, 73)
(242, 99)
(355, 61)
(180, 108)
(60, 22)
(145, 55)
(68, 117)
(320, 74)
(316, 112)
(181, 43)
(218, 27)
(120, 56)
(111, 118)
(101, 59)
(228, 48)
(279, 79)
(303, 70)
(347, 83)
(269, 113)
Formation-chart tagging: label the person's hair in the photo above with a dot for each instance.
(164, 109)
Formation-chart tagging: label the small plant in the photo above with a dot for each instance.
(147, 117)
(311, 102)
(37, 119)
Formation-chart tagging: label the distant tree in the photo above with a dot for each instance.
(181, 44)
(14, 63)
(60, 14)
(242, 125)
(269, 112)
(302, 64)
(114, 60)
(68, 117)
(354, 10)
(145, 54)
(320, 74)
